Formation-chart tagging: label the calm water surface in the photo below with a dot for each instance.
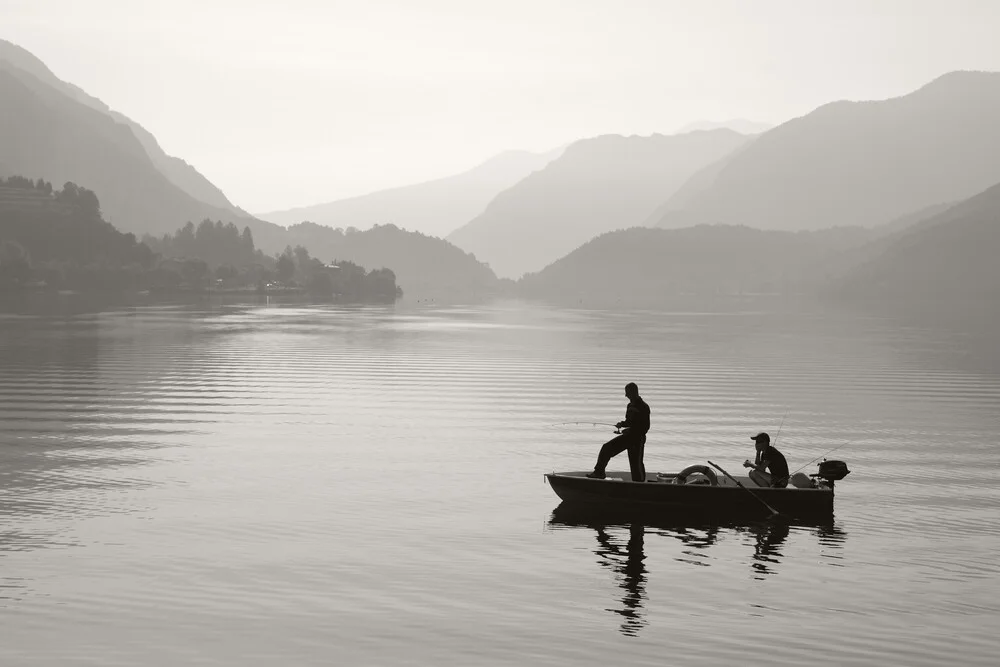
(314, 486)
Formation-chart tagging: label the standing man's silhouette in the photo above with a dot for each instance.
(633, 437)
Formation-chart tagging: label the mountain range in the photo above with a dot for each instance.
(435, 208)
(179, 172)
(941, 267)
(642, 267)
(741, 125)
(935, 266)
(54, 130)
(885, 204)
(426, 267)
(857, 163)
(596, 185)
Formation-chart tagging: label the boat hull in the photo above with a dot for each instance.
(665, 498)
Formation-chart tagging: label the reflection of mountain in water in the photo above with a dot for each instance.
(626, 557)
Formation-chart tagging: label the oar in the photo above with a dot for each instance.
(774, 512)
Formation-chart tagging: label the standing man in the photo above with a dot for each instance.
(633, 438)
(769, 466)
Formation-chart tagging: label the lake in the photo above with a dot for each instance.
(287, 485)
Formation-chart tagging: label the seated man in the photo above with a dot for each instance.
(769, 467)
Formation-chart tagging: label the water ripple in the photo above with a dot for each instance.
(255, 485)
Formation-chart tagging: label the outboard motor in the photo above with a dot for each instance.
(832, 471)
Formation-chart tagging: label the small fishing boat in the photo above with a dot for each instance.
(697, 491)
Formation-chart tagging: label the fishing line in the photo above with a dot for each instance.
(781, 425)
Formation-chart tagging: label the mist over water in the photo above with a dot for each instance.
(262, 485)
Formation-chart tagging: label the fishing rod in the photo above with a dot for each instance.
(821, 456)
(584, 423)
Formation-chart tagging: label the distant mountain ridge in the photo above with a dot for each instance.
(435, 208)
(596, 185)
(179, 172)
(935, 267)
(648, 267)
(891, 203)
(52, 129)
(425, 266)
(42, 131)
(944, 265)
(741, 125)
(693, 188)
(859, 163)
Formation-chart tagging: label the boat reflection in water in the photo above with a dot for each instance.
(625, 556)
(769, 538)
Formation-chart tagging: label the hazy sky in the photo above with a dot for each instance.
(294, 102)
